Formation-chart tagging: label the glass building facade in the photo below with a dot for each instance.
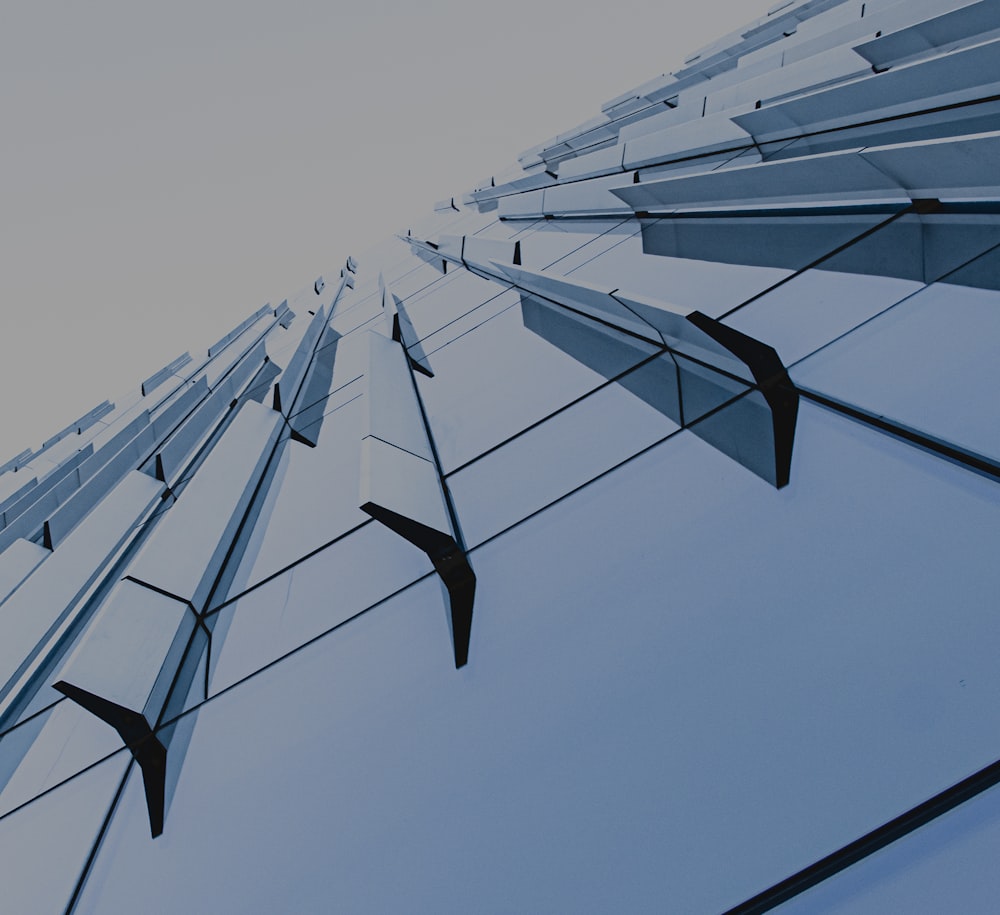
(621, 536)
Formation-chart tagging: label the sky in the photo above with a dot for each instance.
(166, 169)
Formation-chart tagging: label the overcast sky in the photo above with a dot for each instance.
(167, 168)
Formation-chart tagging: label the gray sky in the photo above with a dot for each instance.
(170, 167)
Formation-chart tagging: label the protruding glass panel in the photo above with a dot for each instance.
(185, 552)
(954, 168)
(114, 468)
(755, 428)
(398, 482)
(131, 447)
(785, 239)
(171, 457)
(401, 484)
(400, 328)
(78, 426)
(18, 460)
(147, 643)
(34, 612)
(216, 348)
(124, 670)
(966, 23)
(961, 76)
(609, 353)
(591, 165)
(589, 298)
(393, 412)
(25, 516)
(443, 206)
(287, 388)
(593, 197)
(284, 315)
(703, 137)
(157, 378)
(307, 419)
(17, 562)
(13, 487)
(166, 419)
(838, 177)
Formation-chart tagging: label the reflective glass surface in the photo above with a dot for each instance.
(929, 363)
(46, 844)
(502, 378)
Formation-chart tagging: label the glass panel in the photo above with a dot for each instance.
(462, 324)
(929, 363)
(512, 228)
(672, 614)
(947, 865)
(45, 845)
(712, 288)
(501, 379)
(555, 241)
(566, 451)
(455, 295)
(69, 740)
(816, 307)
(311, 598)
(301, 512)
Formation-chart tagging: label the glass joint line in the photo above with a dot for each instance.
(819, 260)
(69, 778)
(81, 881)
(889, 832)
(438, 330)
(576, 400)
(906, 298)
(29, 718)
(981, 779)
(167, 722)
(477, 326)
(943, 449)
(287, 568)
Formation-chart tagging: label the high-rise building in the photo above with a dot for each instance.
(621, 537)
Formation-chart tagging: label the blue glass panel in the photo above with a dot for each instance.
(929, 363)
(501, 379)
(45, 845)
